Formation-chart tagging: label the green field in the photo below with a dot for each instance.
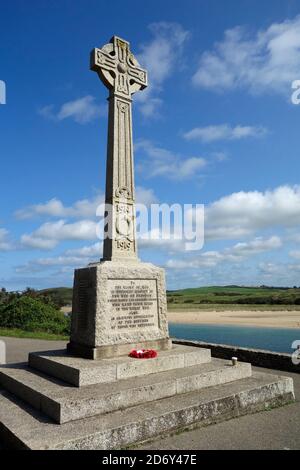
(17, 333)
(217, 298)
(235, 297)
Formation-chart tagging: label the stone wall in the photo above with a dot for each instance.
(257, 357)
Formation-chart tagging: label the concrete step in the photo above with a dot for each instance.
(64, 403)
(79, 372)
(24, 428)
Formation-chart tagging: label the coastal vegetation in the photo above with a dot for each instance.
(38, 313)
(32, 312)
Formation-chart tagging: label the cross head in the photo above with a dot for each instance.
(118, 68)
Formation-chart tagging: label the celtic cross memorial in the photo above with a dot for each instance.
(119, 303)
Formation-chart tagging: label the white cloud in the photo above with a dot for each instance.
(246, 212)
(43, 264)
(235, 254)
(86, 251)
(159, 57)
(162, 162)
(158, 240)
(59, 260)
(81, 110)
(208, 259)
(295, 254)
(223, 132)
(55, 208)
(225, 233)
(149, 107)
(258, 245)
(37, 243)
(5, 243)
(293, 267)
(84, 208)
(280, 274)
(266, 61)
(145, 196)
(293, 237)
(48, 235)
(269, 269)
(219, 156)
(69, 260)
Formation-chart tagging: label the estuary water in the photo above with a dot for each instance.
(272, 339)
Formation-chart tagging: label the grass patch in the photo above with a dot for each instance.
(17, 333)
(232, 307)
(227, 296)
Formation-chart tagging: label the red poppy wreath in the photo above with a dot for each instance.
(143, 353)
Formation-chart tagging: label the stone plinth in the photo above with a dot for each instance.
(80, 372)
(118, 306)
(63, 403)
(22, 427)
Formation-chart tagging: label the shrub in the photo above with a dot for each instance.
(31, 314)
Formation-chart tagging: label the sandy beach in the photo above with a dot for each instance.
(272, 319)
(261, 318)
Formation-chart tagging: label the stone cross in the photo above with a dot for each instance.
(121, 73)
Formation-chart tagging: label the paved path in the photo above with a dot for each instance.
(275, 429)
(17, 349)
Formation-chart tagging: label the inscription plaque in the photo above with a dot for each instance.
(133, 304)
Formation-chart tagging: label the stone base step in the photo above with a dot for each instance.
(64, 403)
(23, 427)
(79, 372)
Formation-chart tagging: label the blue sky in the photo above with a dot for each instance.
(216, 126)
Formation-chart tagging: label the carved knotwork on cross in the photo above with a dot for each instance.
(118, 68)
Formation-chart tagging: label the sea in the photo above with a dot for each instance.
(271, 339)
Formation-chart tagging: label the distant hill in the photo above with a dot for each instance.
(235, 295)
(210, 295)
(61, 295)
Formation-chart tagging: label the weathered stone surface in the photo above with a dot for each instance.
(79, 371)
(63, 403)
(257, 357)
(24, 428)
(118, 304)
(121, 73)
